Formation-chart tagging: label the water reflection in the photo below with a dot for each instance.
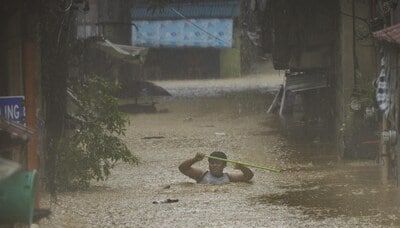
(349, 190)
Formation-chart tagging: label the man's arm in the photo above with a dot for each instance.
(245, 176)
(187, 169)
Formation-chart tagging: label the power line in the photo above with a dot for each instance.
(197, 26)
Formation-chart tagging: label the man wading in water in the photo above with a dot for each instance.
(216, 174)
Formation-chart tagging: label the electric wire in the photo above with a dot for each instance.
(192, 23)
(195, 25)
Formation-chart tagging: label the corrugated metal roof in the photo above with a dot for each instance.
(390, 34)
(220, 9)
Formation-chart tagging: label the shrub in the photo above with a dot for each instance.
(93, 144)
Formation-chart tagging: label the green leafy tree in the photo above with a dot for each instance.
(93, 144)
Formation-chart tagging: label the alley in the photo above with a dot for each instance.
(311, 89)
(315, 190)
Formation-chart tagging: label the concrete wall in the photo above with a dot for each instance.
(229, 63)
(181, 63)
(230, 59)
(108, 18)
(114, 18)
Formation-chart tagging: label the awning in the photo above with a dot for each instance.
(305, 81)
(390, 34)
(127, 53)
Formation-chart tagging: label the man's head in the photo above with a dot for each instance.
(216, 166)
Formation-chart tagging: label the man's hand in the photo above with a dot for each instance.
(199, 157)
(192, 172)
(246, 174)
(239, 166)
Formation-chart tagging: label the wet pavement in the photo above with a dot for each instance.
(315, 190)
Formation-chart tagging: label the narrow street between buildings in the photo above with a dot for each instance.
(314, 190)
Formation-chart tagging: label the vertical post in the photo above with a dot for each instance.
(345, 77)
(30, 70)
(29, 50)
(384, 155)
(353, 11)
(396, 151)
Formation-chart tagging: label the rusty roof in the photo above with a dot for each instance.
(390, 34)
(181, 10)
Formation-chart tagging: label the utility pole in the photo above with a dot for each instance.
(30, 70)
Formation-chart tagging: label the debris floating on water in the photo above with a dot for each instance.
(153, 137)
(166, 201)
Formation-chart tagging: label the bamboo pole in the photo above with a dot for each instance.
(246, 164)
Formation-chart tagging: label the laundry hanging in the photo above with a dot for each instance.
(382, 84)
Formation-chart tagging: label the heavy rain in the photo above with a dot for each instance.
(114, 126)
(315, 189)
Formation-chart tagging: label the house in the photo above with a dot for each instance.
(20, 101)
(33, 75)
(189, 39)
(355, 44)
(388, 91)
(104, 29)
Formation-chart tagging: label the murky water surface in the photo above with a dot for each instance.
(314, 190)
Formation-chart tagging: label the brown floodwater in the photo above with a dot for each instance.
(314, 190)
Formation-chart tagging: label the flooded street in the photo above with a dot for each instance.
(302, 96)
(315, 190)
